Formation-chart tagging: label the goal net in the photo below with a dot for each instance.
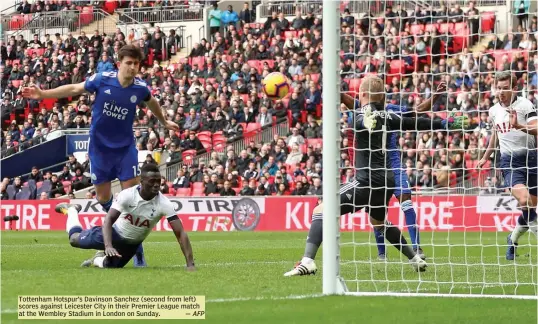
(464, 213)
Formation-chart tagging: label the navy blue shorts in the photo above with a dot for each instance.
(107, 164)
(402, 186)
(521, 169)
(92, 239)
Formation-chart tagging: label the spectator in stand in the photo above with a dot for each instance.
(181, 181)
(104, 65)
(229, 18)
(246, 16)
(164, 186)
(215, 16)
(227, 190)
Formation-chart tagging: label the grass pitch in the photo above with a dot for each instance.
(240, 273)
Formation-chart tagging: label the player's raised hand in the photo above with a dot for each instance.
(171, 125)
(458, 122)
(481, 163)
(369, 120)
(441, 88)
(111, 252)
(513, 119)
(32, 92)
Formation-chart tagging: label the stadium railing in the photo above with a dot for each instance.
(289, 8)
(159, 15)
(61, 22)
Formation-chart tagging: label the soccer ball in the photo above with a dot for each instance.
(275, 85)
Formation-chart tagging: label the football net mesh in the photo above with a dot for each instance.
(464, 213)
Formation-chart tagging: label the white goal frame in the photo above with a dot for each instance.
(333, 283)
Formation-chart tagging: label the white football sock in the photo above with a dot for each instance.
(306, 260)
(72, 219)
(98, 261)
(518, 231)
(533, 227)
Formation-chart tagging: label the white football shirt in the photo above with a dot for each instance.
(139, 216)
(513, 141)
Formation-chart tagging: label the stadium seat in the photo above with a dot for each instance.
(199, 192)
(253, 128)
(354, 85)
(16, 83)
(314, 141)
(11, 192)
(183, 192)
(24, 194)
(219, 146)
(417, 29)
(487, 21)
(188, 156)
(67, 186)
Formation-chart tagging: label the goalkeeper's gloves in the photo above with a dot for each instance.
(368, 118)
(456, 122)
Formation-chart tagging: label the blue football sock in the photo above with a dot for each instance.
(107, 205)
(411, 222)
(76, 229)
(380, 240)
(532, 215)
(526, 217)
(140, 249)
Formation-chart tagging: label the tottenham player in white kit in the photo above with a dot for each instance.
(129, 221)
(515, 125)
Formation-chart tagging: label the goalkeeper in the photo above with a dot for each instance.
(402, 189)
(374, 179)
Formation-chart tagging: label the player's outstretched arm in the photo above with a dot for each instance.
(184, 242)
(68, 90)
(347, 100)
(110, 219)
(155, 108)
(428, 104)
(492, 145)
(421, 123)
(531, 127)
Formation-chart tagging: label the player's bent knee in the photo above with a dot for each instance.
(73, 240)
(405, 197)
(318, 209)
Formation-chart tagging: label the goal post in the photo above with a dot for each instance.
(331, 147)
(463, 230)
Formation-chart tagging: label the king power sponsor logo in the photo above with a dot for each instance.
(210, 214)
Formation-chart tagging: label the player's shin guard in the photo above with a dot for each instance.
(411, 222)
(108, 204)
(395, 237)
(380, 240)
(314, 239)
(522, 225)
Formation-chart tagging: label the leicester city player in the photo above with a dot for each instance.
(402, 190)
(374, 182)
(515, 126)
(128, 222)
(112, 151)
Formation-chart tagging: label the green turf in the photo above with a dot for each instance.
(240, 273)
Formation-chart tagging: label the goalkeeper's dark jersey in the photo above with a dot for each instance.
(372, 163)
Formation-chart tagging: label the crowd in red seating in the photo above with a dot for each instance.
(216, 90)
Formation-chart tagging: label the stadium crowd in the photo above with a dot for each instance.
(217, 90)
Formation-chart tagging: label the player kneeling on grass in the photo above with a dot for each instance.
(129, 221)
